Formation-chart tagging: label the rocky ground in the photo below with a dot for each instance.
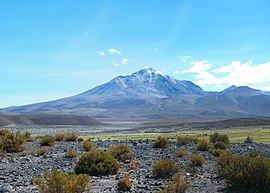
(17, 170)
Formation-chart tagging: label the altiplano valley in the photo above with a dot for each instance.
(190, 149)
(134, 96)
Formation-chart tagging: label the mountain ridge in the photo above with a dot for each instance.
(149, 93)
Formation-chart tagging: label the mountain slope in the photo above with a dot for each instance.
(149, 93)
(237, 101)
(146, 90)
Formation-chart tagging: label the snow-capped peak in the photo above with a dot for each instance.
(149, 81)
(151, 70)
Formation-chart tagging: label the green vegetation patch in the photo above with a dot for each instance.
(235, 136)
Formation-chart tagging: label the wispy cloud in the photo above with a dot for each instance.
(114, 51)
(235, 73)
(185, 58)
(101, 53)
(115, 64)
(124, 61)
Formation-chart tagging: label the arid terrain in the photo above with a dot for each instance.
(17, 170)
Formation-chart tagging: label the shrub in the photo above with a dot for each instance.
(26, 135)
(87, 145)
(203, 145)
(216, 152)
(248, 174)
(31, 139)
(219, 137)
(224, 159)
(97, 162)
(39, 152)
(164, 168)
(184, 140)
(192, 170)
(124, 184)
(121, 152)
(161, 142)
(11, 142)
(59, 137)
(220, 145)
(134, 164)
(71, 154)
(80, 139)
(71, 137)
(255, 154)
(62, 183)
(181, 153)
(196, 160)
(177, 185)
(4, 132)
(47, 140)
(249, 140)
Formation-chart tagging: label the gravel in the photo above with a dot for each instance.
(17, 170)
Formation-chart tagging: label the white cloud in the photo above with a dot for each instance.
(185, 58)
(124, 61)
(114, 51)
(115, 64)
(101, 53)
(235, 73)
(199, 66)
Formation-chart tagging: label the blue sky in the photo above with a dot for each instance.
(57, 48)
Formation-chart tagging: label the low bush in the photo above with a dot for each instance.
(164, 169)
(203, 145)
(247, 173)
(87, 145)
(255, 154)
(11, 142)
(80, 139)
(176, 185)
(196, 160)
(184, 140)
(216, 152)
(31, 139)
(121, 152)
(71, 154)
(215, 137)
(220, 145)
(192, 170)
(71, 137)
(249, 140)
(4, 132)
(161, 142)
(124, 184)
(47, 140)
(62, 183)
(97, 162)
(59, 137)
(134, 164)
(181, 153)
(39, 152)
(224, 159)
(27, 135)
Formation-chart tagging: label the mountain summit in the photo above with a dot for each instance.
(149, 93)
(146, 83)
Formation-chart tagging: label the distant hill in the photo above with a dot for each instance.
(47, 120)
(150, 94)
